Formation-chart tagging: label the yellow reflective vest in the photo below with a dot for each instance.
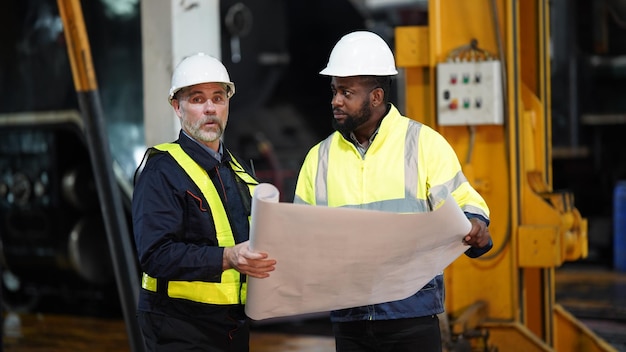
(230, 290)
(409, 167)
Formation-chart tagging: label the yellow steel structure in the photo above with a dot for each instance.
(508, 296)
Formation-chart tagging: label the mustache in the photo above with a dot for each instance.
(337, 110)
(210, 118)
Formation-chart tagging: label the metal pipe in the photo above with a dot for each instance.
(122, 252)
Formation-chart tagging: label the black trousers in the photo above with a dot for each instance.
(398, 335)
(228, 330)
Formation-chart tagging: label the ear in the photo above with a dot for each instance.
(176, 106)
(377, 96)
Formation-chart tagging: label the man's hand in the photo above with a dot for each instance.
(479, 235)
(245, 261)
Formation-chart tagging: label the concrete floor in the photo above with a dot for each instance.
(596, 296)
(58, 333)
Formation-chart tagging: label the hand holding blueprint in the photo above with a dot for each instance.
(334, 258)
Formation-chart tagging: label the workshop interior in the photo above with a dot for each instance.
(528, 92)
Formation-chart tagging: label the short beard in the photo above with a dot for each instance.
(196, 131)
(352, 122)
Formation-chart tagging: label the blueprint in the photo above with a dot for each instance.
(334, 258)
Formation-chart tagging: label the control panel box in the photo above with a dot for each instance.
(469, 93)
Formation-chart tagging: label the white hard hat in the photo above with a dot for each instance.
(200, 68)
(360, 53)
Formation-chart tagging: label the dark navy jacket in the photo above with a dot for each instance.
(172, 222)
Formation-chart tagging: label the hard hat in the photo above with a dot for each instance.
(360, 53)
(200, 68)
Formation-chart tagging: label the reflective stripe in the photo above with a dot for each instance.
(321, 192)
(439, 193)
(409, 204)
(411, 168)
(229, 290)
(200, 291)
(244, 176)
(203, 181)
(149, 283)
(333, 175)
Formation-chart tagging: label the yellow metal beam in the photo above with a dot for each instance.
(514, 337)
(534, 229)
(571, 335)
(413, 54)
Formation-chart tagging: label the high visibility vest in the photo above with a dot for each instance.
(408, 168)
(230, 290)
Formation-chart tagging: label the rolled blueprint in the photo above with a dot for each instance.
(334, 258)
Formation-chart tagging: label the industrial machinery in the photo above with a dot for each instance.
(478, 71)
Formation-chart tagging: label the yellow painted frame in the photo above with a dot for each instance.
(534, 229)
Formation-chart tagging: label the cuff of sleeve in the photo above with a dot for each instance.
(475, 252)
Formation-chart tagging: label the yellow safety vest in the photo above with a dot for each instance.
(408, 168)
(230, 290)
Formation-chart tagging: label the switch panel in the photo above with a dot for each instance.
(469, 93)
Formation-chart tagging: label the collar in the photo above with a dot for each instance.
(360, 146)
(217, 155)
(362, 149)
(199, 152)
